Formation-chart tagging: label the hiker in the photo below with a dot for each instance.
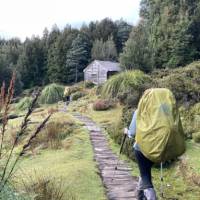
(158, 133)
(145, 186)
(66, 97)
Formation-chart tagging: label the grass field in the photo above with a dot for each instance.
(71, 166)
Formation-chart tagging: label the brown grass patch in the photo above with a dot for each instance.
(188, 173)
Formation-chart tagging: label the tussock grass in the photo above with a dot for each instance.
(43, 187)
(125, 82)
(51, 94)
(53, 135)
(24, 103)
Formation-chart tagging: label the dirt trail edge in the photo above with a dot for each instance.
(119, 184)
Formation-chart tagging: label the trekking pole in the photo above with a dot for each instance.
(123, 141)
(121, 148)
(120, 151)
(161, 179)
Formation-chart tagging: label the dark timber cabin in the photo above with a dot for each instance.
(99, 71)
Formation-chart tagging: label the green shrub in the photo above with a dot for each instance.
(115, 131)
(183, 82)
(129, 99)
(103, 105)
(99, 89)
(24, 103)
(75, 96)
(89, 84)
(51, 94)
(75, 88)
(196, 137)
(126, 84)
(190, 119)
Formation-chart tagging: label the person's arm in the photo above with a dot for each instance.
(131, 131)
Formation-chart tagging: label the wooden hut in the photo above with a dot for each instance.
(99, 71)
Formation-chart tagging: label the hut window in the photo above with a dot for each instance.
(93, 75)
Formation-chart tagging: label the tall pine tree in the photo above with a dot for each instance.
(77, 59)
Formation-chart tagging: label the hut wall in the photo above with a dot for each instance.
(96, 74)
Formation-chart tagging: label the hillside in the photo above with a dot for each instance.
(60, 164)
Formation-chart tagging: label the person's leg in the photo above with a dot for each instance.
(145, 186)
(140, 191)
(67, 98)
(150, 194)
(144, 165)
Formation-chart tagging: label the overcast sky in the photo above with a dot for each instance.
(24, 18)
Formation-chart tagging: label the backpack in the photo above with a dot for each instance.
(159, 131)
(66, 91)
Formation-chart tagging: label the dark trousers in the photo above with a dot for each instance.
(145, 166)
(66, 98)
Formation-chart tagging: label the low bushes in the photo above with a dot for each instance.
(51, 94)
(185, 85)
(99, 89)
(129, 99)
(75, 88)
(196, 137)
(183, 82)
(190, 119)
(89, 84)
(24, 103)
(75, 96)
(115, 131)
(101, 104)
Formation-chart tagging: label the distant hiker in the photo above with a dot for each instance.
(158, 133)
(66, 97)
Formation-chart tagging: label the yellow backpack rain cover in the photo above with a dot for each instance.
(66, 91)
(159, 131)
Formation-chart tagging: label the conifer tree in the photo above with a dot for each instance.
(77, 59)
(123, 31)
(31, 63)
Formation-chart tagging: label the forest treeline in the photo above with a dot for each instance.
(61, 55)
(166, 36)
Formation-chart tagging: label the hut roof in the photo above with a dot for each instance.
(108, 65)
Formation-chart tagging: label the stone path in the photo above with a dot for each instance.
(119, 183)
